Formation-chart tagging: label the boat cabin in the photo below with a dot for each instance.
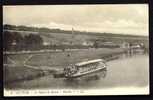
(84, 67)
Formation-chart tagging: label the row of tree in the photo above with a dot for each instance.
(14, 40)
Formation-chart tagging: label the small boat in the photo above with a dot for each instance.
(86, 68)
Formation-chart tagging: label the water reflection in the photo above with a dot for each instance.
(82, 81)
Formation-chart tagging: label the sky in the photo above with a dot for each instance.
(108, 18)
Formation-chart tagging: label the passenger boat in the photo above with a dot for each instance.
(86, 68)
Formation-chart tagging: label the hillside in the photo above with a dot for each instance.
(57, 36)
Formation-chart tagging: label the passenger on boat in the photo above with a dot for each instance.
(70, 70)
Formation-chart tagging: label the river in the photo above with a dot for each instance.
(127, 71)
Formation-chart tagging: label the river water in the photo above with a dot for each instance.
(127, 71)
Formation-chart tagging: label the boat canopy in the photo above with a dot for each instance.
(89, 62)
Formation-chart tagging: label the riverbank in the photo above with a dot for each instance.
(127, 71)
(50, 62)
(19, 73)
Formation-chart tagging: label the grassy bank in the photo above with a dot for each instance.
(62, 59)
(55, 60)
(18, 73)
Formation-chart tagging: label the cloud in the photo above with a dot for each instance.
(100, 18)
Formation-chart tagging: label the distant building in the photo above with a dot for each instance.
(46, 43)
(107, 44)
(125, 45)
(66, 43)
(14, 42)
(137, 45)
(87, 43)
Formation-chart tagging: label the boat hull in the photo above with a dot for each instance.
(97, 73)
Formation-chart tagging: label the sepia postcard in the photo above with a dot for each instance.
(56, 50)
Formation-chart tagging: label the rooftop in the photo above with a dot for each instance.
(88, 62)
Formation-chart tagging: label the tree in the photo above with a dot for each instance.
(12, 37)
(7, 40)
(33, 41)
(8, 27)
(95, 45)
